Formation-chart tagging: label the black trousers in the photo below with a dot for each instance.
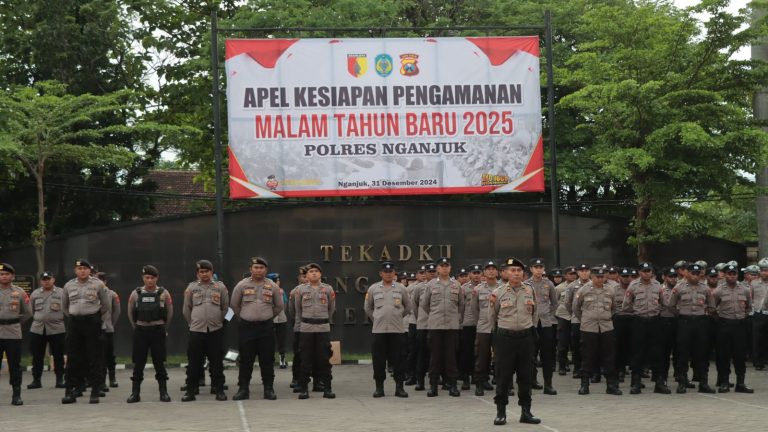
(482, 357)
(622, 328)
(466, 358)
(423, 355)
(387, 348)
(12, 350)
(315, 352)
(202, 345)
(84, 352)
(514, 354)
(759, 339)
(149, 340)
(108, 351)
(692, 344)
(731, 346)
(598, 352)
(296, 366)
(442, 346)
(668, 345)
(281, 330)
(37, 343)
(545, 346)
(256, 339)
(563, 341)
(646, 345)
(413, 351)
(576, 346)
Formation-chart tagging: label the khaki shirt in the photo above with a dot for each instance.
(256, 301)
(48, 313)
(546, 300)
(667, 311)
(570, 293)
(14, 304)
(643, 300)
(86, 298)
(470, 317)
(595, 308)
(513, 308)
(444, 302)
(481, 304)
(618, 297)
(166, 301)
(386, 306)
(689, 299)
(205, 305)
(292, 308)
(411, 317)
(114, 312)
(281, 317)
(315, 303)
(759, 295)
(732, 302)
(562, 311)
(417, 299)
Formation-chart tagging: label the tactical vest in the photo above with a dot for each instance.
(148, 307)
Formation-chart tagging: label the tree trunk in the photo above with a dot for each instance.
(641, 228)
(38, 235)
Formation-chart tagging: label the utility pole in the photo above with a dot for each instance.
(760, 52)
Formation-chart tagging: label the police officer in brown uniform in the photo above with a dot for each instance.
(466, 359)
(594, 305)
(14, 310)
(444, 303)
(645, 300)
(732, 301)
(150, 310)
(413, 354)
(479, 303)
(564, 320)
(759, 288)
(315, 304)
(87, 303)
(256, 301)
(669, 320)
(622, 324)
(205, 303)
(513, 314)
(422, 317)
(583, 272)
(47, 329)
(108, 338)
(296, 365)
(386, 304)
(546, 302)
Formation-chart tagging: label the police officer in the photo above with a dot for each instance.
(513, 314)
(546, 302)
(150, 310)
(564, 320)
(14, 310)
(466, 359)
(479, 303)
(301, 278)
(315, 305)
(668, 317)
(386, 304)
(732, 301)
(443, 302)
(87, 303)
(205, 303)
(594, 305)
(47, 329)
(108, 336)
(622, 324)
(583, 271)
(759, 288)
(413, 354)
(256, 301)
(422, 317)
(281, 321)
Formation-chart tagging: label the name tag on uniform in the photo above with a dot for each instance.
(506, 304)
(483, 297)
(147, 299)
(378, 296)
(249, 291)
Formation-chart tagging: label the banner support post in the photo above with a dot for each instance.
(553, 187)
(217, 144)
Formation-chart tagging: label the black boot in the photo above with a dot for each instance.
(432, 389)
(112, 379)
(269, 392)
(635, 387)
(479, 391)
(612, 387)
(60, 381)
(487, 385)
(94, 398)
(453, 388)
(741, 387)
(722, 385)
(584, 388)
(661, 387)
(69, 397)
(294, 384)
(536, 385)
(379, 392)
(242, 394)
(303, 392)
(704, 387)
(548, 389)
(135, 392)
(562, 372)
(220, 395)
(419, 384)
(501, 415)
(16, 398)
(163, 389)
(35, 384)
(411, 380)
(465, 383)
(283, 364)
(400, 390)
(327, 391)
(189, 396)
(682, 386)
(527, 417)
(595, 378)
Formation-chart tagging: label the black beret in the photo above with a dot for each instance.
(462, 271)
(514, 262)
(645, 266)
(259, 260)
(444, 261)
(7, 268)
(315, 266)
(556, 272)
(730, 268)
(150, 270)
(625, 272)
(82, 262)
(475, 268)
(570, 269)
(411, 276)
(422, 269)
(694, 267)
(537, 262)
(598, 271)
(712, 272)
(490, 264)
(583, 267)
(671, 272)
(46, 274)
(204, 265)
(403, 275)
(431, 267)
(386, 266)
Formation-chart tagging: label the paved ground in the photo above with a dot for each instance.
(355, 410)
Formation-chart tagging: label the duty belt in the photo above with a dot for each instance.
(10, 321)
(514, 333)
(315, 320)
(257, 323)
(693, 317)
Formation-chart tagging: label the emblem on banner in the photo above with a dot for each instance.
(383, 65)
(272, 182)
(357, 64)
(409, 64)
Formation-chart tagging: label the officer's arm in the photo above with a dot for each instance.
(115, 312)
(237, 299)
(368, 304)
(407, 305)
(169, 309)
(331, 302)
(131, 305)
(578, 300)
(297, 305)
(224, 300)
(292, 304)
(278, 304)
(426, 299)
(493, 311)
(553, 301)
(462, 305)
(673, 297)
(26, 310)
(415, 300)
(187, 309)
(614, 306)
(65, 302)
(474, 303)
(106, 304)
(749, 301)
(626, 304)
(569, 299)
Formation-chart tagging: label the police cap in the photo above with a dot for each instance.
(259, 260)
(83, 262)
(204, 265)
(5, 267)
(150, 270)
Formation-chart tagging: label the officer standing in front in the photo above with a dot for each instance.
(87, 303)
(47, 329)
(315, 305)
(256, 301)
(513, 314)
(205, 303)
(14, 309)
(386, 303)
(546, 302)
(150, 310)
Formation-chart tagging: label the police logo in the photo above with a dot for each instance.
(357, 64)
(383, 64)
(409, 64)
